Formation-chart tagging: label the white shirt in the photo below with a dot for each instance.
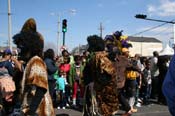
(154, 67)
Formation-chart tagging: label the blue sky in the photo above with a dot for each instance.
(84, 18)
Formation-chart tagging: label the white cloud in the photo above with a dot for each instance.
(69, 11)
(151, 8)
(165, 8)
(73, 11)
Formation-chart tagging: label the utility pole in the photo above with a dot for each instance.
(58, 34)
(101, 30)
(79, 49)
(63, 38)
(9, 26)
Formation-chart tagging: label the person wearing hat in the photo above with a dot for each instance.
(6, 81)
(6, 61)
(35, 99)
(7, 52)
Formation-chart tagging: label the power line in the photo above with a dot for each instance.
(151, 28)
(163, 31)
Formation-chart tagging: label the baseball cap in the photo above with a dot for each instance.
(7, 51)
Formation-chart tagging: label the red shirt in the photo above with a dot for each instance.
(65, 67)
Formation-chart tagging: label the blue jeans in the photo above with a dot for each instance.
(147, 92)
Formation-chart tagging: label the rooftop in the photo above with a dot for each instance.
(143, 39)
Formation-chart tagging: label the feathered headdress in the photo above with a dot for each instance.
(117, 40)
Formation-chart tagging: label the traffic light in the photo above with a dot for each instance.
(141, 16)
(64, 26)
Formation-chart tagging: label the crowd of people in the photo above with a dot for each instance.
(100, 81)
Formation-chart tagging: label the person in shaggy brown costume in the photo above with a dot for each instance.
(33, 89)
(101, 98)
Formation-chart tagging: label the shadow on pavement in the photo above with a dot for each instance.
(62, 114)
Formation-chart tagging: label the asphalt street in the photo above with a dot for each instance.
(145, 110)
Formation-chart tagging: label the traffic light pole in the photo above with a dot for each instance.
(160, 20)
(63, 38)
(141, 16)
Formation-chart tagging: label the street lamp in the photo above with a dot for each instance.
(142, 16)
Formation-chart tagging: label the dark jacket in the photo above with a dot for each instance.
(8, 66)
(168, 86)
(51, 68)
(122, 64)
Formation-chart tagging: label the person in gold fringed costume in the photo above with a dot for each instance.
(101, 98)
(33, 89)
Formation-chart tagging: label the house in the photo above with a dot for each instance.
(144, 45)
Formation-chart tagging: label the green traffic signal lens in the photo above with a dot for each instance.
(64, 25)
(64, 29)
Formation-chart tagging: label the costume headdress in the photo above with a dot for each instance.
(95, 43)
(117, 40)
(28, 39)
